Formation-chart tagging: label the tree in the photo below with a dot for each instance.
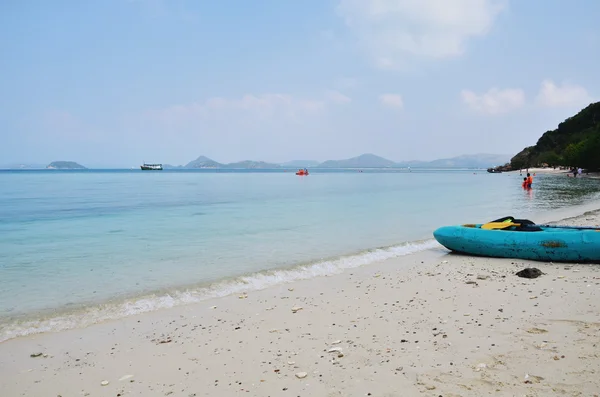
(550, 158)
(589, 152)
(576, 142)
(573, 154)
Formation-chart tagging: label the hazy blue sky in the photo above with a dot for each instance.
(118, 82)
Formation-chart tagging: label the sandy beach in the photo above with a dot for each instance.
(427, 324)
(549, 170)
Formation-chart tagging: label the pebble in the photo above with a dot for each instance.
(301, 375)
(104, 383)
(296, 309)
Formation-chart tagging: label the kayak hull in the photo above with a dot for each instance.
(549, 244)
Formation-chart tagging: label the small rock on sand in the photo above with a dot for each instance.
(301, 375)
(34, 355)
(296, 309)
(104, 383)
(529, 272)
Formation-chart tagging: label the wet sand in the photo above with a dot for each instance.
(427, 324)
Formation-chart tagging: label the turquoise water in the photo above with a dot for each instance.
(82, 246)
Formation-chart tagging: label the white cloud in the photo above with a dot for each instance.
(494, 101)
(566, 95)
(265, 106)
(392, 100)
(337, 97)
(391, 31)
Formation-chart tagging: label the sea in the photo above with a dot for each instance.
(83, 246)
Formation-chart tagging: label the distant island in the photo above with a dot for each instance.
(575, 143)
(363, 161)
(367, 160)
(300, 164)
(65, 165)
(205, 162)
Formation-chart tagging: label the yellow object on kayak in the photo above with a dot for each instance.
(498, 225)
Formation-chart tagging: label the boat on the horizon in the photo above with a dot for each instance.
(151, 167)
(522, 239)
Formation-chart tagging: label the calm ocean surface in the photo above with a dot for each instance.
(77, 247)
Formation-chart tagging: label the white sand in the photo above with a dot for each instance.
(428, 324)
(551, 170)
(541, 171)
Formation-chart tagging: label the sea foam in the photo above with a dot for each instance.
(114, 310)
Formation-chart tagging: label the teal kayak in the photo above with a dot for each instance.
(534, 242)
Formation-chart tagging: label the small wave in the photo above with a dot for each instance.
(256, 281)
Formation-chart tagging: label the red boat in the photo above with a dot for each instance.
(302, 172)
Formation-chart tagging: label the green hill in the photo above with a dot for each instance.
(575, 143)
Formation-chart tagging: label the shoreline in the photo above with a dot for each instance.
(86, 315)
(549, 170)
(89, 314)
(428, 323)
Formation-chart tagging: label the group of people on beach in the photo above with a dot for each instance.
(576, 171)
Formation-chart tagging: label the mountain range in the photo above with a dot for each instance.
(367, 160)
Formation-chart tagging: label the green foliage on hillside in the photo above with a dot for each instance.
(575, 143)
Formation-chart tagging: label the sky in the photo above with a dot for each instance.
(115, 83)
